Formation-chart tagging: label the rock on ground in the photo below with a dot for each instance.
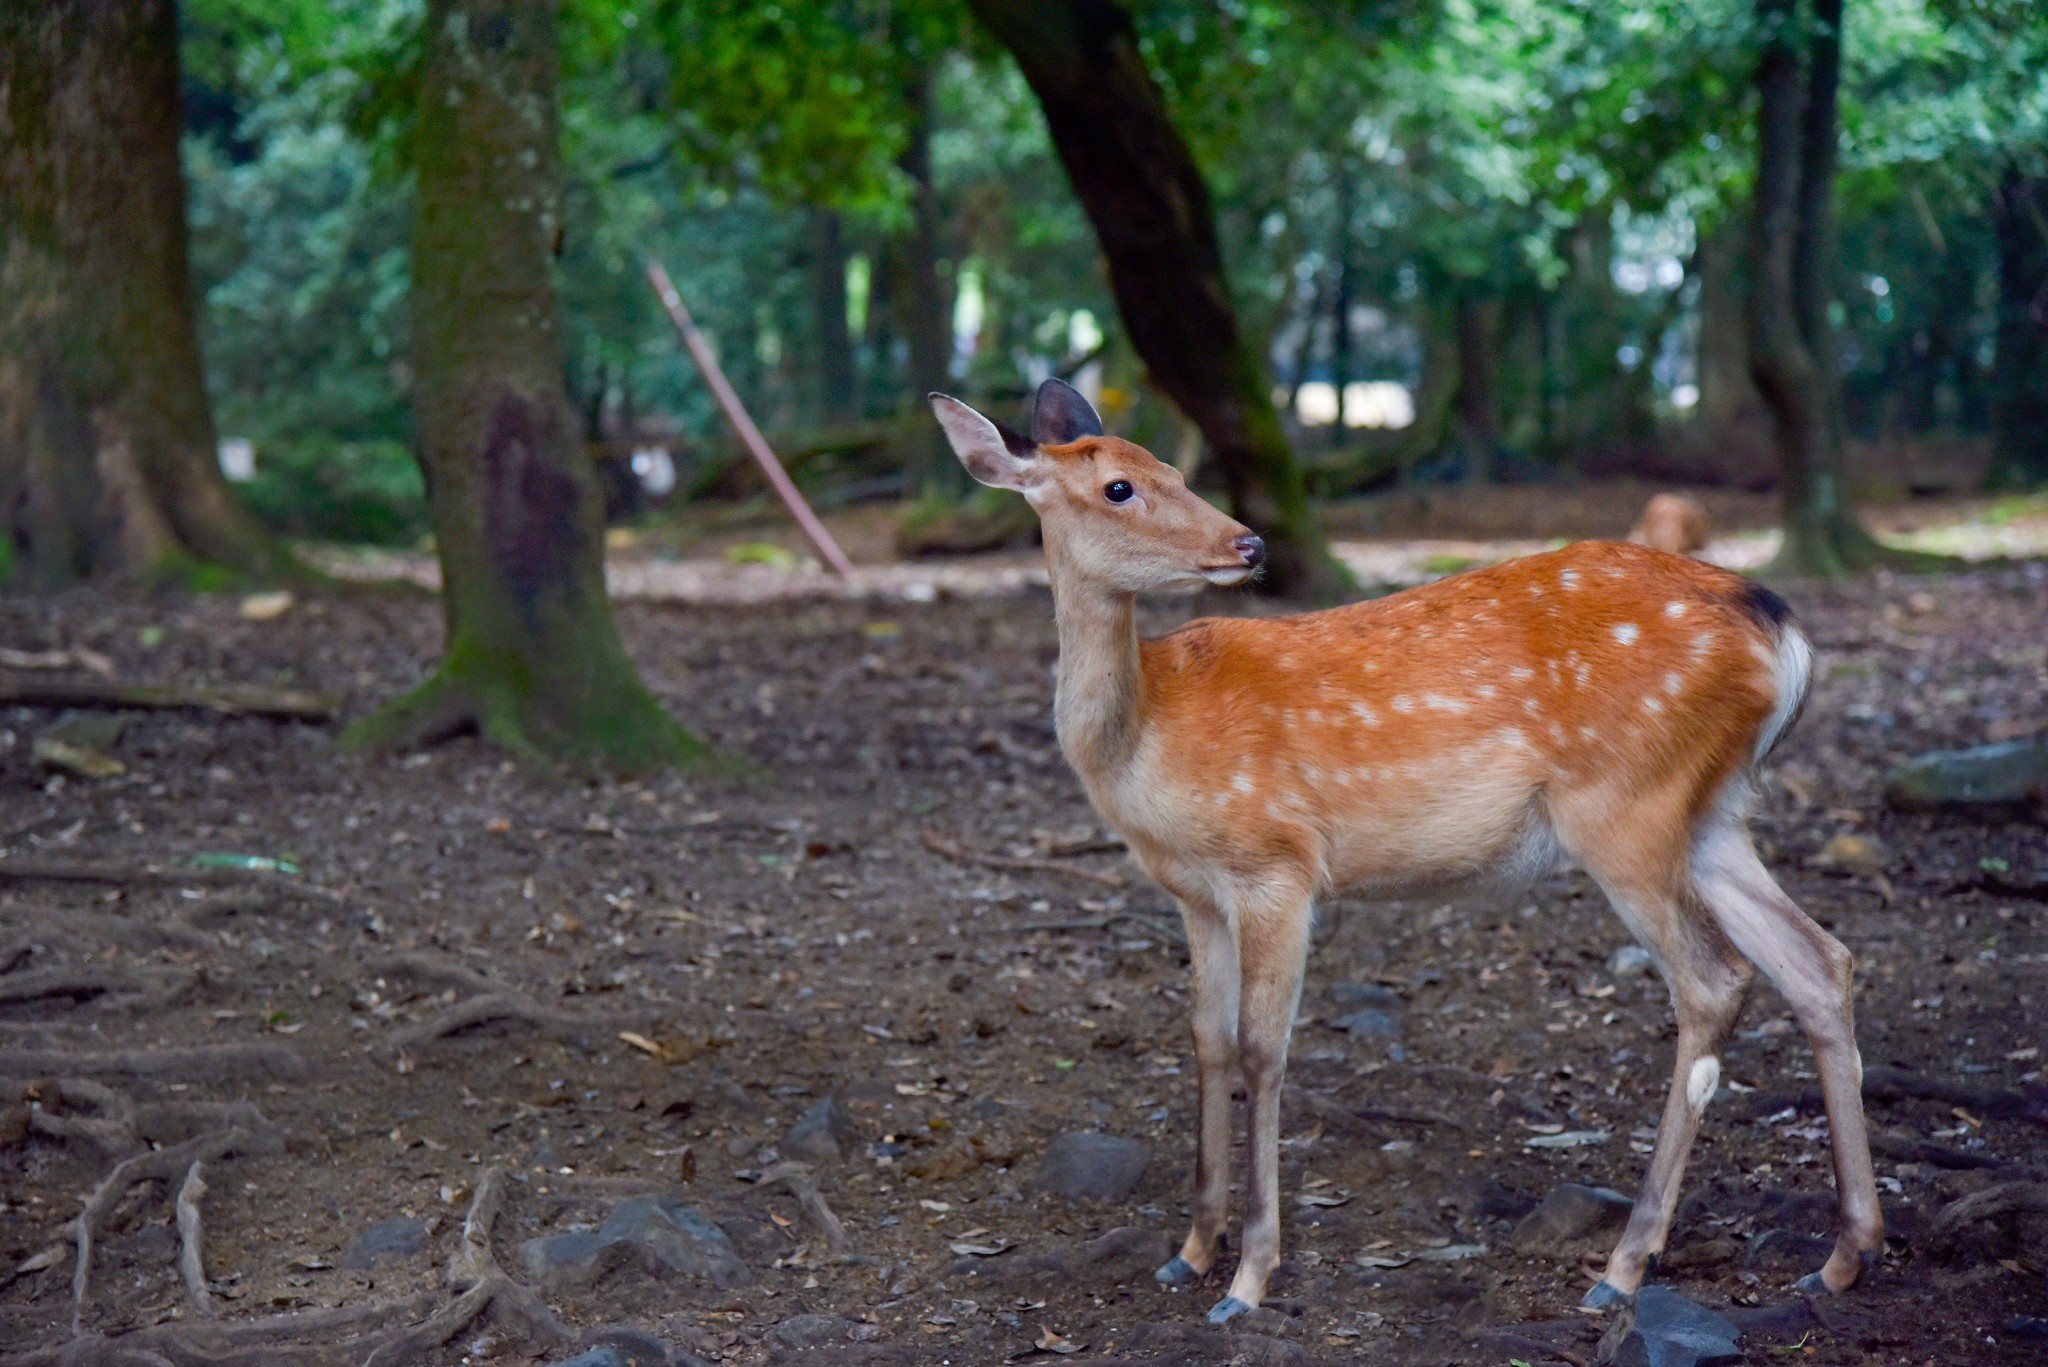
(1086, 1166)
(399, 1237)
(1571, 1212)
(656, 1229)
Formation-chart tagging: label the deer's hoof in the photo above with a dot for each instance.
(1601, 1296)
(1226, 1310)
(1178, 1271)
(1813, 1284)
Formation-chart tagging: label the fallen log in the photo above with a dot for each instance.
(285, 704)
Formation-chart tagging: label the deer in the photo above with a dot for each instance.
(1605, 704)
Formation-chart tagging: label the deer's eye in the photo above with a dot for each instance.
(1118, 491)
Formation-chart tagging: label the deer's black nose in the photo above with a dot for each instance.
(1252, 548)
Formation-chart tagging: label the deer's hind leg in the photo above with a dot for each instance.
(1815, 974)
(1649, 882)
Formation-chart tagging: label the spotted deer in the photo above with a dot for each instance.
(1604, 703)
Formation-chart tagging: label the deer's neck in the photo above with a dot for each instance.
(1099, 703)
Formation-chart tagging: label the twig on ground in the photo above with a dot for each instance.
(78, 657)
(191, 1239)
(285, 704)
(237, 1062)
(491, 1007)
(960, 854)
(798, 1180)
(113, 1131)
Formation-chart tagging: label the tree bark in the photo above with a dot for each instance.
(1791, 351)
(1342, 299)
(838, 392)
(533, 659)
(1140, 187)
(1476, 321)
(2020, 374)
(107, 447)
(927, 304)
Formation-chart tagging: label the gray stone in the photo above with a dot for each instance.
(1660, 1328)
(1123, 1254)
(398, 1237)
(811, 1331)
(1358, 995)
(1370, 1023)
(2010, 772)
(633, 1347)
(1091, 1167)
(825, 1133)
(1630, 961)
(595, 1357)
(652, 1230)
(1571, 1212)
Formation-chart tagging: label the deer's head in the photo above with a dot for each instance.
(1115, 517)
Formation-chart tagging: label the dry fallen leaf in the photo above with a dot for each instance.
(1052, 1341)
(642, 1043)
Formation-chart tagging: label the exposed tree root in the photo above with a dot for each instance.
(112, 1131)
(19, 870)
(960, 854)
(1883, 1084)
(339, 1335)
(79, 984)
(232, 1062)
(1945, 1232)
(800, 1183)
(473, 1270)
(437, 968)
(192, 1238)
(492, 1006)
(160, 1166)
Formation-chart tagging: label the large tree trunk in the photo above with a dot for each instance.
(1476, 321)
(1142, 191)
(927, 303)
(838, 391)
(1791, 353)
(1342, 297)
(107, 445)
(2020, 378)
(532, 658)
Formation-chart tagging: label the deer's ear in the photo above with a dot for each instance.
(993, 453)
(1062, 415)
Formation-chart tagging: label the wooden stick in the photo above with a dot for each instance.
(960, 854)
(289, 704)
(736, 414)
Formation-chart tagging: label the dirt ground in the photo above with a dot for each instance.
(604, 990)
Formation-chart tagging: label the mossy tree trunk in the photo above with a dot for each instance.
(1139, 185)
(533, 659)
(2020, 378)
(107, 444)
(1791, 349)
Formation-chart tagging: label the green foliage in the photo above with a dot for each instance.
(366, 492)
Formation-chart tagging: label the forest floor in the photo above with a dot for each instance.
(560, 996)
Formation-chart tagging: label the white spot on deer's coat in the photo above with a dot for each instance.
(1650, 704)
(1485, 690)
(1521, 672)
(1529, 706)
(1672, 682)
(1442, 703)
(1702, 1082)
(1402, 703)
(1581, 673)
(1241, 781)
(1569, 579)
(1674, 608)
(1626, 633)
(1365, 714)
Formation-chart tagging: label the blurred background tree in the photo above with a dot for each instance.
(1453, 243)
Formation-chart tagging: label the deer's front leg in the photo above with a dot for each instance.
(1273, 947)
(1212, 951)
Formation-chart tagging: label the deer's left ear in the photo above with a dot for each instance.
(994, 454)
(1061, 415)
